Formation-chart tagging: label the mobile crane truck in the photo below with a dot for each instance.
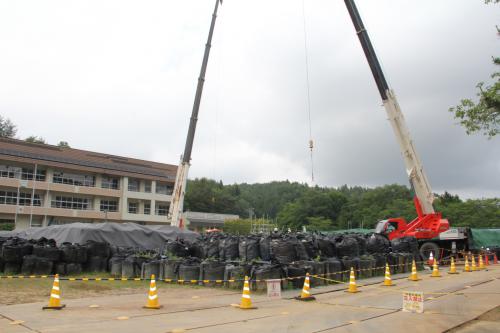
(431, 230)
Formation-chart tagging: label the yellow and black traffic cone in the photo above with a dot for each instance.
(435, 270)
(481, 263)
(466, 266)
(153, 302)
(246, 301)
(387, 279)
(55, 296)
(352, 283)
(305, 295)
(473, 266)
(414, 275)
(453, 269)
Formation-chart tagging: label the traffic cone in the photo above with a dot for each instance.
(305, 295)
(246, 301)
(435, 270)
(495, 259)
(153, 302)
(414, 275)
(55, 296)
(453, 269)
(352, 283)
(431, 259)
(473, 266)
(387, 279)
(466, 266)
(486, 259)
(481, 263)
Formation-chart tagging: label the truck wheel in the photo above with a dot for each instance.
(427, 248)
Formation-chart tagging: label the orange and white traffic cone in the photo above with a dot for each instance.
(453, 269)
(435, 270)
(246, 301)
(153, 302)
(473, 266)
(495, 259)
(466, 266)
(414, 275)
(387, 279)
(431, 259)
(352, 283)
(486, 259)
(55, 296)
(305, 295)
(481, 263)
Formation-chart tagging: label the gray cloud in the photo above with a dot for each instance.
(119, 77)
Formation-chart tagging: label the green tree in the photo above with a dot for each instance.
(35, 139)
(7, 128)
(64, 144)
(482, 116)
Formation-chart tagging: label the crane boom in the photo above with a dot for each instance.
(414, 169)
(177, 204)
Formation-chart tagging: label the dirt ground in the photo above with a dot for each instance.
(19, 291)
(473, 325)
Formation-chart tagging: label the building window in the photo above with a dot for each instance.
(73, 179)
(164, 188)
(109, 206)
(147, 208)
(28, 174)
(10, 172)
(132, 207)
(10, 198)
(161, 209)
(133, 185)
(147, 186)
(71, 203)
(110, 182)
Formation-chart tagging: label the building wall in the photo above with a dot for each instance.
(48, 191)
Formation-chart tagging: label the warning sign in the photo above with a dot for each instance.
(274, 288)
(413, 301)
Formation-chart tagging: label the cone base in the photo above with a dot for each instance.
(453, 272)
(352, 292)
(152, 307)
(54, 307)
(243, 308)
(387, 285)
(436, 275)
(417, 279)
(305, 299)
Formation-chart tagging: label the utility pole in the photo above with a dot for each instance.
(176, 208)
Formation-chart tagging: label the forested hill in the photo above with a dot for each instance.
(295, 204)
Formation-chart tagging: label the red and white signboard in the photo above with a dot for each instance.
(413, 301)
(274, 288)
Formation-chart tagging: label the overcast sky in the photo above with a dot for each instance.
(119, 77)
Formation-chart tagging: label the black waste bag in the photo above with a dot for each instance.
(196, 249)
(236, 272)
(189, 270)
(248, 248)
(326, 246)
(361, 243)
(115, 266)
(170, 269)
(177, 248)
(347, 264)
(47, 251)
(366, 266)
(283, 250)
(150, 268)
(393, 261)
(309, 243)
(73, 253)
(347, 246)
(97, 264)
(12, 268)
(14, 249)
(97, 249)
(229, 248)
(265, 272)
(132, 266)
(333, 270)
(43, 266)
(212, 270)
(380, 261)
(265, 248)
(295, 275)
(60, 268)
(28, 266)
(73, 268)
(319, 269)
(400, 245)
(377, 244)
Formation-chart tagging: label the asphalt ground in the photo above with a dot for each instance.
(450, 301)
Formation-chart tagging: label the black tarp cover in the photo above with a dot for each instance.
(118, 234)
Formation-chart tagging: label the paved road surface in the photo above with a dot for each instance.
(449, 302)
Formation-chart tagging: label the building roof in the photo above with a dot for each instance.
(64, 157)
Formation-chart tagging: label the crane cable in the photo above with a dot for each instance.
(311, 142)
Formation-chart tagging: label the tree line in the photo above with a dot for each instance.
(293, 205)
